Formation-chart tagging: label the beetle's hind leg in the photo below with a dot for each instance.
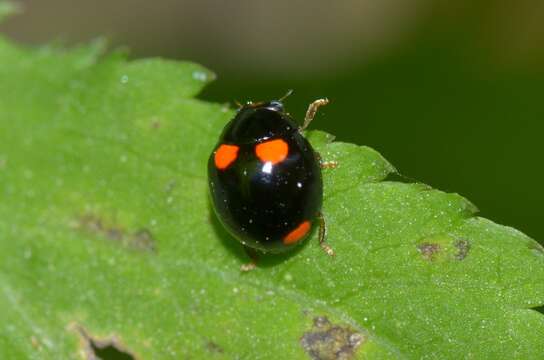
(312, 110)
(323, 236)
(252, 265)
(326, 164)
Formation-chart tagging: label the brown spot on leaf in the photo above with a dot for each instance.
(170, 186)
(114, 234)
(428, 250)
(214, 347)
(35, 343)
(155, 123)
(443, 247)
(463, 247)
(90, 223)
(95, 348)
(141, 239)
(327, 341)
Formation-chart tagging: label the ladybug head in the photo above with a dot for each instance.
(275, 105)
(256, 122)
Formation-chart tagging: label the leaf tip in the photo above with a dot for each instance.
(318, 137)
(9, 8)
(203, 75)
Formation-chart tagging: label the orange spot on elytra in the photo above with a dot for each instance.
(273, 151)
(225, 155)
(298, 233)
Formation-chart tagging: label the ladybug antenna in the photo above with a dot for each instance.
(312, 110)
(287, 94)
(237, 103)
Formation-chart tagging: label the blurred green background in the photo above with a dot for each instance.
(450, 92)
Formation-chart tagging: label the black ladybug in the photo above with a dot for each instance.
(265, 178)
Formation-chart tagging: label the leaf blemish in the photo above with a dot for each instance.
(328, 341)
(214, 347)
(155, 123)
(443, 247)
(464, 247)
(428, 250)
(102, 348)
(141, 240)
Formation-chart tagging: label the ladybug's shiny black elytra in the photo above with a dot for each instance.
(265, 178)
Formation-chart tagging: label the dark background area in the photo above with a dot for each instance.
(450, 92)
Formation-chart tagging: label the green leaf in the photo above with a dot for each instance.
(107, 239)
(8, 8)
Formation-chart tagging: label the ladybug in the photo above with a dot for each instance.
(265, 179)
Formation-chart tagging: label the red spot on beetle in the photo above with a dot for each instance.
(225, 155)
(298, 233)
(273, 151)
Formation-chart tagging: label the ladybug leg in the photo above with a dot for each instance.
(323, 236)
(312, 110)
(326, 164)
(252, 265)
(248, 267)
